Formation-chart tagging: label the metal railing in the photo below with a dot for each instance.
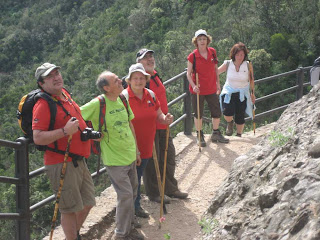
(22, 176)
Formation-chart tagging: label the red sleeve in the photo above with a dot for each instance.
(191, 57)
(41, 115)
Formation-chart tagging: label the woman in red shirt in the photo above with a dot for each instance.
(146, 109)
(203, 61)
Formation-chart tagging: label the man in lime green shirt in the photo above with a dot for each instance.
(118, 150)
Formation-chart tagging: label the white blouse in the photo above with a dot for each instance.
(237, 79)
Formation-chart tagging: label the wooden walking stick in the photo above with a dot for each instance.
(253, 117)
(63, 172)
(198, 113)
(164, 172)
(156, 166)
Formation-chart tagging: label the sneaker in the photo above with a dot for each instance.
(202, 141)
(238, 135)
(135, 235)
(217, 137)
(140, 212)
(178, 194)
(157, 199)
(229, 130)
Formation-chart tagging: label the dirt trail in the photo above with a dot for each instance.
(199, 174)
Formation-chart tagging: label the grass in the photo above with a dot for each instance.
(278, 139)
(207, 224)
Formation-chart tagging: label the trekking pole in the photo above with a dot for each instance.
(198, 113)
(253, 119)
(63, 172)
(156, 166)
(98, 165)
(251, 92)
(164, 172)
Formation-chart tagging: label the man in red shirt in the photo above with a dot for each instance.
(146, 57)
(77, 196)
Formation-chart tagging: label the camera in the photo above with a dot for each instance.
(89, 133)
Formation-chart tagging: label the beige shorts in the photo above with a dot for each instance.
(78, 188)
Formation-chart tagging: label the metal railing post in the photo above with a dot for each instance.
(300, 80)
(187, 107)
(22, 190)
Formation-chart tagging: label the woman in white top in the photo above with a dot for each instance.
(237, 96)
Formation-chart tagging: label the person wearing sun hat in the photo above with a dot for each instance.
(146, 108)
(146, 58)
(204, 62)
(77, 197)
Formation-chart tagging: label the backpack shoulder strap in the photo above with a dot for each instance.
(194, 63)
(152, 94)
(227, 64)
(214, 55)
(102, 114)
(52, 106)
(124, 96)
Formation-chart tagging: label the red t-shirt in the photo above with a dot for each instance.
(41, 121)
(159, 89)
(206, 69)
(144, 122)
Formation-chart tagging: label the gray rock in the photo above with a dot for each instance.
(273, 192)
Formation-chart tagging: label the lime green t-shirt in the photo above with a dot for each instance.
(118, 146)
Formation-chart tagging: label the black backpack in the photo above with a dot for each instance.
(25, 108)
(24, 115)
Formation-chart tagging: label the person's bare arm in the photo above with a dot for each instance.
(46, 137)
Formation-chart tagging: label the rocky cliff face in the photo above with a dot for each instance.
(273, 192)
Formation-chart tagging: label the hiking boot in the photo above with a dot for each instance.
(136, 222)
(217, 137)
(229, 130)
(135, 235)
(178, 194)
(157, 199)
(78, 235)
(116, 237)
(202, 141)
(140, 212)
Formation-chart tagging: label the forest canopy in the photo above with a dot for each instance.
(86, 37)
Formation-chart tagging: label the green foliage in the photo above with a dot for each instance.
(207, 224)
(85, 37)
(167, 236)
(278, 139)
(279, 46)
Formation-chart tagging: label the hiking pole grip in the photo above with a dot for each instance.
(63, 172)
(198, 113)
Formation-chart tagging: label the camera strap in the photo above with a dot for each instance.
(75, 157)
